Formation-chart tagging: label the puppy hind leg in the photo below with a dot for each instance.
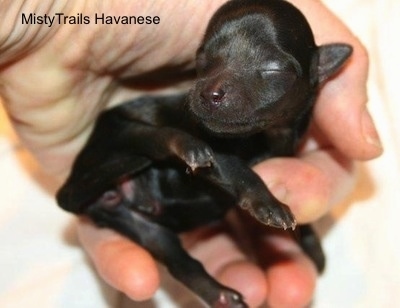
(311, 245)
(165, 246)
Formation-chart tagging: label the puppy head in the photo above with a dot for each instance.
(258, 68)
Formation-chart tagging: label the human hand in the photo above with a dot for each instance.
(55, 80)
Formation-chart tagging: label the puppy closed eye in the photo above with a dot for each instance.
(278, 66)
(272, 65)
(278, 82)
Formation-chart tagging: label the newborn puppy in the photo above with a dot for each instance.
(157, 166)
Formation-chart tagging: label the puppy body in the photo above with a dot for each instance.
(258, 74)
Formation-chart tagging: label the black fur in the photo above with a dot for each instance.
(156, 166)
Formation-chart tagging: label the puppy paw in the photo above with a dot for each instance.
(198, 157)
(229, 299)
(273, 215)
(194, 153)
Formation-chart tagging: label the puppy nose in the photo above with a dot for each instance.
(212, 96)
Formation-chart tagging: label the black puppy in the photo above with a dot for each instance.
(156, 166)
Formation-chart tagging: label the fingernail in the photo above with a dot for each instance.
(279, 190)
(370, 134)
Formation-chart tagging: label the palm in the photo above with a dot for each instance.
(73, 72)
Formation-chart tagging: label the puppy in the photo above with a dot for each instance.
(157, 166)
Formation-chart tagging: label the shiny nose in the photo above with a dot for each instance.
(212, 97)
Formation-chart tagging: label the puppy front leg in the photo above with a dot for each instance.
(236, 178)
(160, 143)
(165, 246)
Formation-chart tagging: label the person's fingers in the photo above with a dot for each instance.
(222, 258)
(120, 262)
(269, 266)
(309, 185)
(289, 282)
(247, 278)
(291, 276)
(340, 112)
(129, 268)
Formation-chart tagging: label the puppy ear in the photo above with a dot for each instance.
(330, 59)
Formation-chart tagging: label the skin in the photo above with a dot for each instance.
(54, 82)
